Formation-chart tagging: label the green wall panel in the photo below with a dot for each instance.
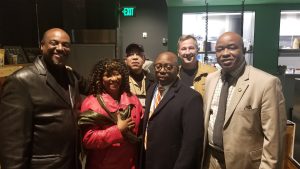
(266, 37)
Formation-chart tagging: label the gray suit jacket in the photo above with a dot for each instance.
(254, 127)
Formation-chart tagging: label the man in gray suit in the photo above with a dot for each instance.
(248, 130)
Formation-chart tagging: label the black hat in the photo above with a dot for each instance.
(134, 48)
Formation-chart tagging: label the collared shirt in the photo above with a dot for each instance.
(138, 90)
(216, 97)
(152, 107)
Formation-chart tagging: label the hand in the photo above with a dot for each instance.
(124, 125)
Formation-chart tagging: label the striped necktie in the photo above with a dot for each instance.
(160, 91)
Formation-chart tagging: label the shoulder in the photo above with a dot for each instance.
(89, 103)
(188, 96)
(24, 74)
(260, 76)
(206, 68)
(149, 76)
(214, 74)
(186, 90)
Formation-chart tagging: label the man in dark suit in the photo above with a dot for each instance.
(39, 106)
(173, 127)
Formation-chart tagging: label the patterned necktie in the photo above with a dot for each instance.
(159, 95)
(158, 98)
(219, 122)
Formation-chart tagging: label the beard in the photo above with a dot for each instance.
(54, 62)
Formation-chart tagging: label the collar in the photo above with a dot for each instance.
(113, 105)
(235, 74)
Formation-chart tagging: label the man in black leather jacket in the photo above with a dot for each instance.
(38, 111)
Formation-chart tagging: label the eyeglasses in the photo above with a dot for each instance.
(167, 67)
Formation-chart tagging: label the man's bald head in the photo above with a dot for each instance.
(170, 55)
(230, 51)
(166, 68)
(56, 47)
(233, 35)
(52, 31)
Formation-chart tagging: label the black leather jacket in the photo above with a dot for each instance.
(38, 120)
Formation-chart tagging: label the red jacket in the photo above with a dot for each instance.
(105, 145)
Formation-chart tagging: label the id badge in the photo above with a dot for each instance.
(143, 101)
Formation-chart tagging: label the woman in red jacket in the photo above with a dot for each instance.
(110, 118)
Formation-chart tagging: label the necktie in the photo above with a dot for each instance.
(158, 98)
(219, 122)
(159, 95)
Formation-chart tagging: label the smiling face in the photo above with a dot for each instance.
(229, 51)
(112, 82)
(187, 51)
(55, 47)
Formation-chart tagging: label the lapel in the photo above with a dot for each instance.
(73, 87)
(210, 89)
(168, 96)
(51, 82)
(240, 88)
(149, 97)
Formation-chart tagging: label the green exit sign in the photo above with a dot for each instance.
(128, 11)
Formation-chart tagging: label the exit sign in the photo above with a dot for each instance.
(128, 11)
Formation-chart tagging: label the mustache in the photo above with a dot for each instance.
(226, 59)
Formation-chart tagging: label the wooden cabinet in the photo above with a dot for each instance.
(7, 70)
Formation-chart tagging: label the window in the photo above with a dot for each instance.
(218, 23)
(289, 30)
(289, 41)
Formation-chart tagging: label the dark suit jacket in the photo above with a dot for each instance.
(175, 130)
(38, 120)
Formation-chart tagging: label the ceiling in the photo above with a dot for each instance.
(224, 2)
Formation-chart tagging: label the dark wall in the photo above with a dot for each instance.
(74, 14)
(151, 17)
(50, 15)
(101, 14)
(19, 26)
(18, 23)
